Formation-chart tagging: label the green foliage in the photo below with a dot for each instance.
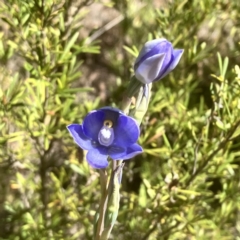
(185, 185)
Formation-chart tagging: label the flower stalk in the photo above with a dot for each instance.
(100, 214)
(109, 204)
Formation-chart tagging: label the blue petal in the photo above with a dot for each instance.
(177, 54)
(149, 49)
(116, 152)
(132, 151)
(111, 114)
(79, 137)
(168, 50)
(97, 158)
(92, 124)
(149, 69)
(126, 131)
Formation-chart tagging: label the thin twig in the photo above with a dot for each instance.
(195, 155)
(105, 28)
(221, 145)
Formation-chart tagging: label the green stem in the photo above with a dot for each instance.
(103, 203)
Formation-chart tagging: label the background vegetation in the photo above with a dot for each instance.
(61, 59)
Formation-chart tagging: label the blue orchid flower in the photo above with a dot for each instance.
(156, 59)
(107, 132)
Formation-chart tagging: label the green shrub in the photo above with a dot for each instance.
(61, 59)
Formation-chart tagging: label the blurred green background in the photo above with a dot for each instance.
(61, 59)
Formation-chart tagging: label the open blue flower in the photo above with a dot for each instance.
(107, 132)
(156, 59)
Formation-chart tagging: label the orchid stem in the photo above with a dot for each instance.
(103, 203)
